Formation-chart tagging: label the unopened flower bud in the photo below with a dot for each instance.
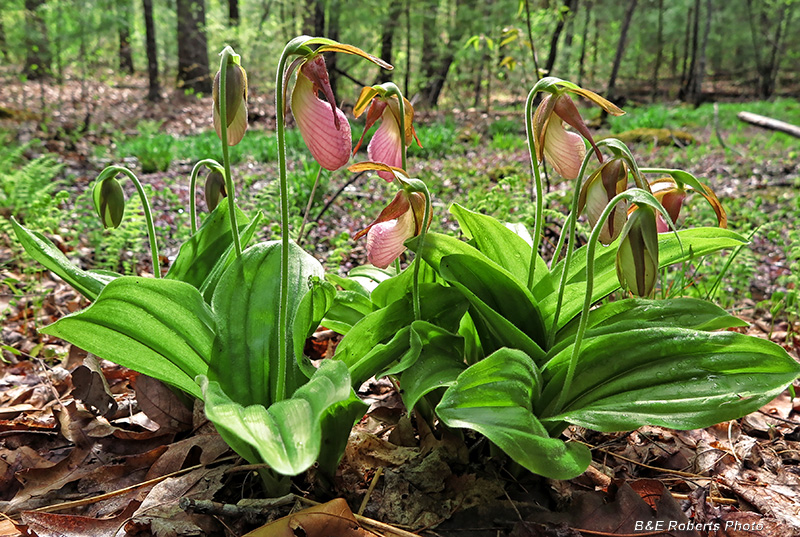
(215, 189)
(637, 256)
(610, 179)
(235, 103)
(109, 202)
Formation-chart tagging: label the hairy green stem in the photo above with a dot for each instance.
(280, 392)
(537, 178)
(148, 216)
(308, 206)
(418, 256)
(587, 300)
(211, 164)
(227, 54)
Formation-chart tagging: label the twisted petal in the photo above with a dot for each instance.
(385, 240)
(563, 150)
(386, 145)
(329, 144)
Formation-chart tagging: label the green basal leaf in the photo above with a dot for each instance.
(245, 354)
(500, 244)
(496, 289)
(696, 242)
(439, 363)
(313, 306)
(673, 377)
(348, 284)
(370, 276)
(392, 289)
(199, 254)
(633, 313)
(337, 422)
(347, 309)
(375, 342)
(41, 249)
(160, 328)
(493, 397)
(288, 434)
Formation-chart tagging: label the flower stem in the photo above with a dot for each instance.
(587, 300)
(418, 256)
(211, 164)
(148, 216)
(308, 206)
(227, 54)
(537, 178)
(571, 221)
(280, 391)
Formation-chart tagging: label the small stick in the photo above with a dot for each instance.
(372, 484)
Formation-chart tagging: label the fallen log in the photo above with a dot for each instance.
(769, 123)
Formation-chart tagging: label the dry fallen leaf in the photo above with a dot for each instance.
(325, 520)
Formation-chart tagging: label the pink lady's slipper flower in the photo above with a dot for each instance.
(672, 194)
(235, 101)
(610, 179)
(565, 150)
(398, 222)
(386, 145)
(324, 127)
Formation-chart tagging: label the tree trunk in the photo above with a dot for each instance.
(334, 9)
(387, 39)
(530, 39)
(569, 9)
(37, 45)
(687, 46)
(584, 40)
(314, 18)
(3, 41)
(154, 90)
(692, 91)
(233, 12)
(623, 34)
(767, 62)
(193, 73)
(124, 26)
(659, 46)
(437, 56)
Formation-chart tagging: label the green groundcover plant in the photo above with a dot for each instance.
(479, 333)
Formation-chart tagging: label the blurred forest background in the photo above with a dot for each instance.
(446, 52)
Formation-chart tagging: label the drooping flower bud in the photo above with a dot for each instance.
(610, 179)
(637, 256)
(214, 189)
(109, 202)
(564, 150)
(235, 103)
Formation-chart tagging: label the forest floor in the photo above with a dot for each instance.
(82, 456)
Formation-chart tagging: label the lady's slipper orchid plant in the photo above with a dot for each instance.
(672, 193)
(398, 222)
(637, 255)
(388, 144)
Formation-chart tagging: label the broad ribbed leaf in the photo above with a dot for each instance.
(634, 313)
(245, 353)
(674, 377)
(397, 286)
(287, 435)
(440, 361)
(198, 255)
(311, 310)
(347, 309)
(375, 342)
(697, 242)
(495, 288)
(500, 244)
(41, 249)
(493, 397)
(161, 328)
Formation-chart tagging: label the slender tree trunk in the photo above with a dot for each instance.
(659, 46)
(407, 74)
(3, 41)
(687, 46)
(595, 48)
(436, 55)
(584, 40)
(569, 6)
(692, 91)
(193, 70)
(154, 89)
(767, 62)
(233, 12)
(530, 39)
(334, 9)
(623, 34)
(124, 26)
(314, 18)
(387, 39)
(37, 45)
